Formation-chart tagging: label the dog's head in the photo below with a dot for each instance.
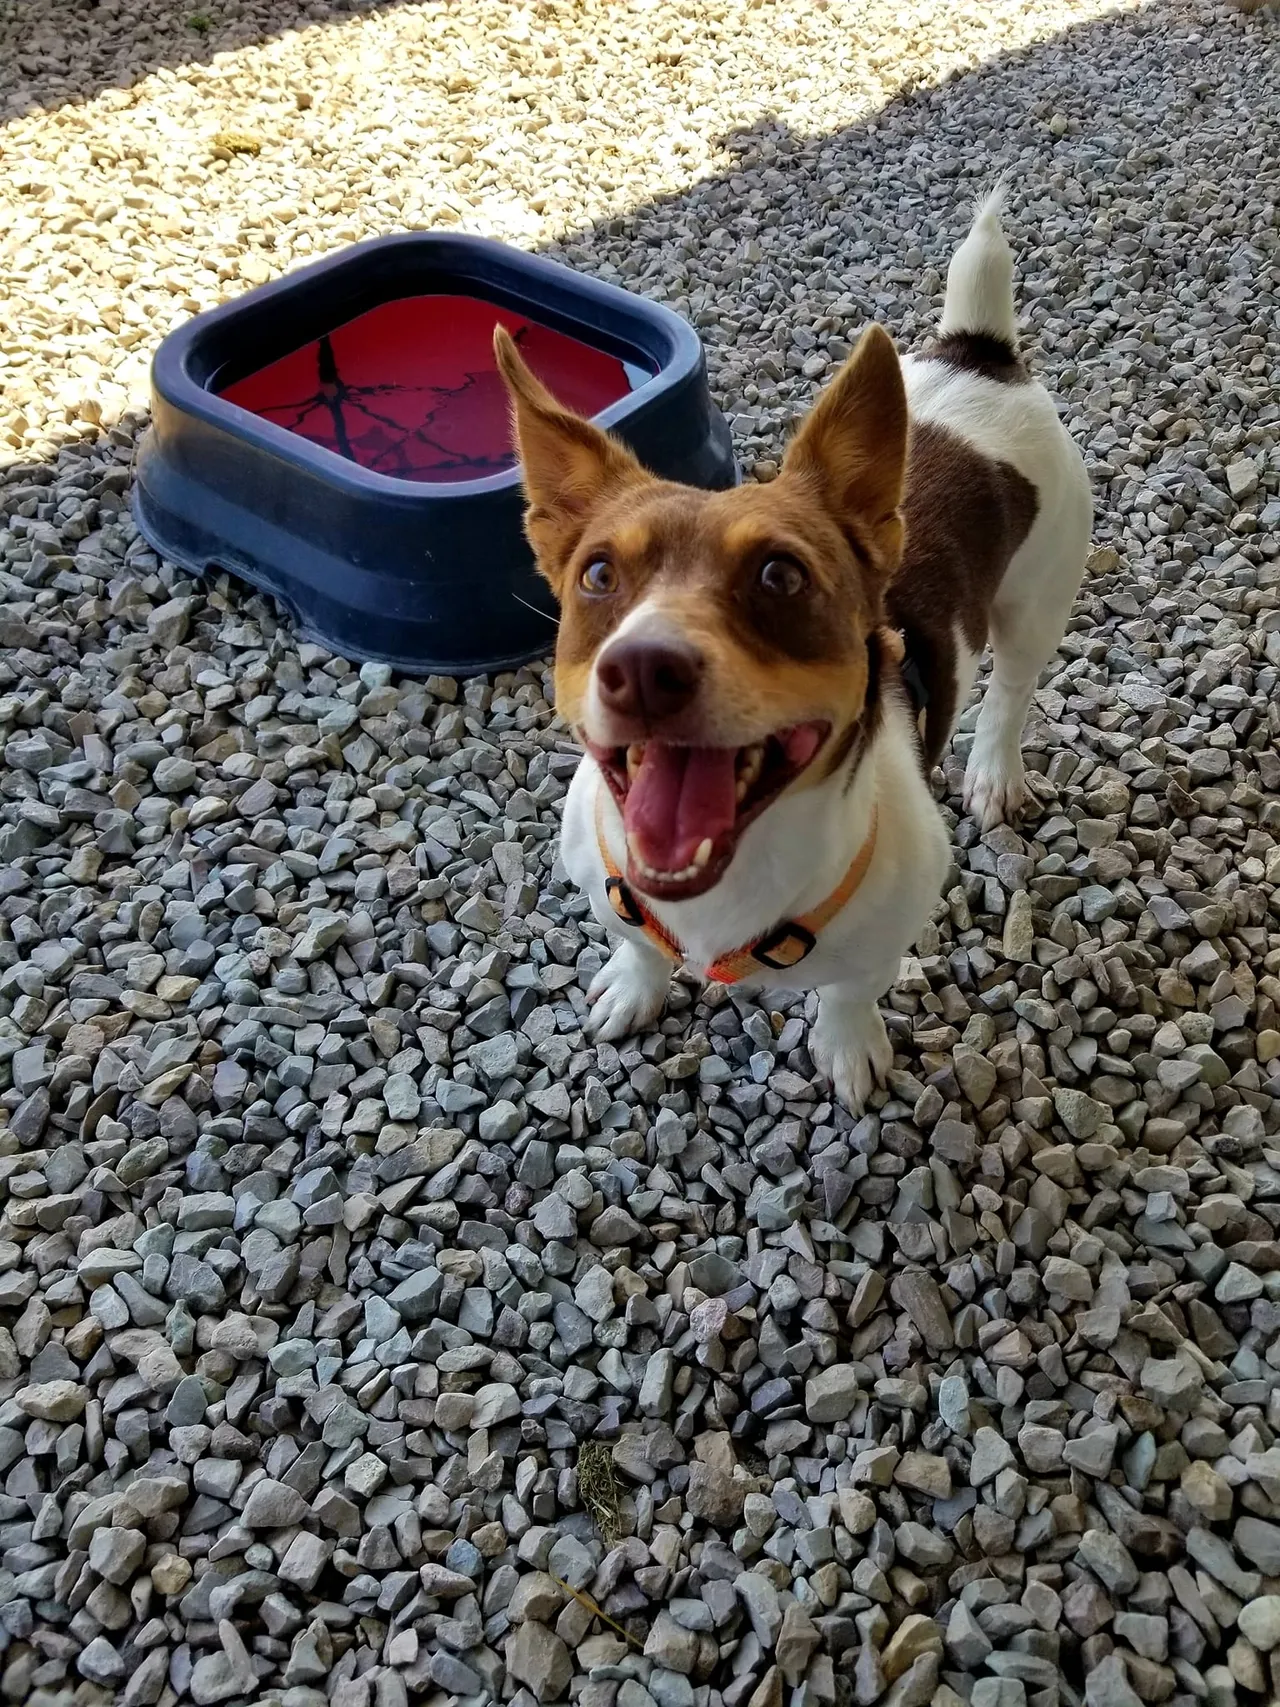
(714, 646)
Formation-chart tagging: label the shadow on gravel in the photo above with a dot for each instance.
(1119, 137)
(1121, 152)
(54, 52)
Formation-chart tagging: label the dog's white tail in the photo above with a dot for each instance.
(980, 278)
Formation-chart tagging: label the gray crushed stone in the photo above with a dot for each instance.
(328, 1240)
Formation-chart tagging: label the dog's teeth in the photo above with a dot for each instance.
(635, 758)
(750, 764)
(701, 859)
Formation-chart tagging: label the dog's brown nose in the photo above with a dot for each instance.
(649, 679)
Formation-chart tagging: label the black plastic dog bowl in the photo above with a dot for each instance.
(340, 439)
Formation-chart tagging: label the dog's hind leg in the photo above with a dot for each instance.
(1028, 619)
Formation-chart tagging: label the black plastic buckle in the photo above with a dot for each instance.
(784, 947)
(623, 901)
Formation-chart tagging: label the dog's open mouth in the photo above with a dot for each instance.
(685, 808)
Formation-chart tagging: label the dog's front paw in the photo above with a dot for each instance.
(995, 791)
(850, 1046)
(628, 992)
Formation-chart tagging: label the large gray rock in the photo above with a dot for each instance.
(538, 1658)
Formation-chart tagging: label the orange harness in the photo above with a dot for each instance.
(776, 951)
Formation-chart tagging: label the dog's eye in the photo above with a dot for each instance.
(783, 578)
(599, 578)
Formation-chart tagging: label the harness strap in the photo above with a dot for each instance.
(785, 946)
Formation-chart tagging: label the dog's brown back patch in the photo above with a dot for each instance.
(983, 353)
(966, 515)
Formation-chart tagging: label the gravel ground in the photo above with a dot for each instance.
(369, 1335)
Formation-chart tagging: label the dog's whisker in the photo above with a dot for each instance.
(536, 609)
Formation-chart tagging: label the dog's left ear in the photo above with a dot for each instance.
(853, 447)
(568, 463)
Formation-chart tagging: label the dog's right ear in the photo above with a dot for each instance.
(852, 449)
(569, 464)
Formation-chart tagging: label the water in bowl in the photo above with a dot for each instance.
(409, 388)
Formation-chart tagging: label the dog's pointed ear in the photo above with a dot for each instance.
(853, 447)
(568, 463)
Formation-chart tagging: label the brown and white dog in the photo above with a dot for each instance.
(745, 668)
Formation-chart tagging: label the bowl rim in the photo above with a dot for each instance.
(182, 372)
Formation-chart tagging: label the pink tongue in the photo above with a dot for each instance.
(680, 797)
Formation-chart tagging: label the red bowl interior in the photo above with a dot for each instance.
(410, 388)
